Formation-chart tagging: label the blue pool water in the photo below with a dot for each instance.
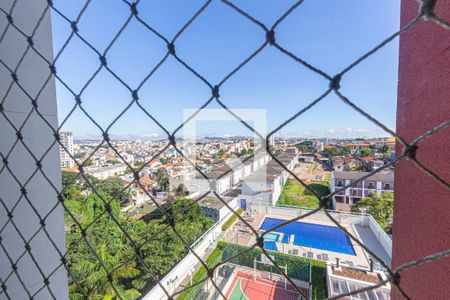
(285, 239)
(312, 235)
(271, 237)
(270, 245)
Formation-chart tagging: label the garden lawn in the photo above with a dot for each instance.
(295, 194)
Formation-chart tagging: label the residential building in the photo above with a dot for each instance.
(343, 279)
(382, 182)
(227, 176)
(264, 186)
(66, 149)
(214, 207)
(106, 171)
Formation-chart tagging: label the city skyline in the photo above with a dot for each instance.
(160, 137)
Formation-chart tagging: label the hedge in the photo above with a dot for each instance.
(231, 220)
(191, 293)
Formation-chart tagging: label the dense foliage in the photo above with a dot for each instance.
(379, 206)
(333, 151)
(231, 220)
(104, 248)
(305, 146)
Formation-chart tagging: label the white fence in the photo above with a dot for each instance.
(364, 220)
(382, 236)
(176, 276)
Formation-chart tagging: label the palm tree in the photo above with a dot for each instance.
(92, 276)
(162, 176)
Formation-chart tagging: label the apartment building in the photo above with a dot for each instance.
(235, 172)
(343, 279)
(264, 186)
(66, 139)
(106, 171)
(378, 183)
(214, 207)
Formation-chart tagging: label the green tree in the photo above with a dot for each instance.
(138, 165)
(345, 150)
(68, 178)
(96, 277)
(79, 155)
(384, 148)
(162, 176)
(305, 146)
(160, 247)
(220, 153)
(114, 187)
(365, 152)
(113, 161)
(180, 191)
(89, 271)
(88, 162)
(386, 151)
(379, 206)
(331, 151)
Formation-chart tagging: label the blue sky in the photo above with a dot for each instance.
(329, 34)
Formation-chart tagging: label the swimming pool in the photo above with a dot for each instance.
(317, 236)
(270, 241)
(270, 245)
(271, 237)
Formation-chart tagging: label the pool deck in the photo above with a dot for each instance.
(370, 241)
(364, 234)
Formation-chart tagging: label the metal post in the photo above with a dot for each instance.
(254, 269)
(371, 264)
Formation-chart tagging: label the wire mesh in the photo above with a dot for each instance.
(409, 149)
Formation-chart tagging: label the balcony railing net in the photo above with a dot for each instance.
(408, 148)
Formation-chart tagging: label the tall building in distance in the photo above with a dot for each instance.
(272, 140)
(67, 142)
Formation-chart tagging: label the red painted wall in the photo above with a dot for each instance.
(422, 207)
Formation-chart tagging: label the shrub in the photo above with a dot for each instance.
(191, 293)
(231, 220)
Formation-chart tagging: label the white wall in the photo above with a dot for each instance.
(253, 187)
(38, 137)
(224, 211)
(223, 184)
